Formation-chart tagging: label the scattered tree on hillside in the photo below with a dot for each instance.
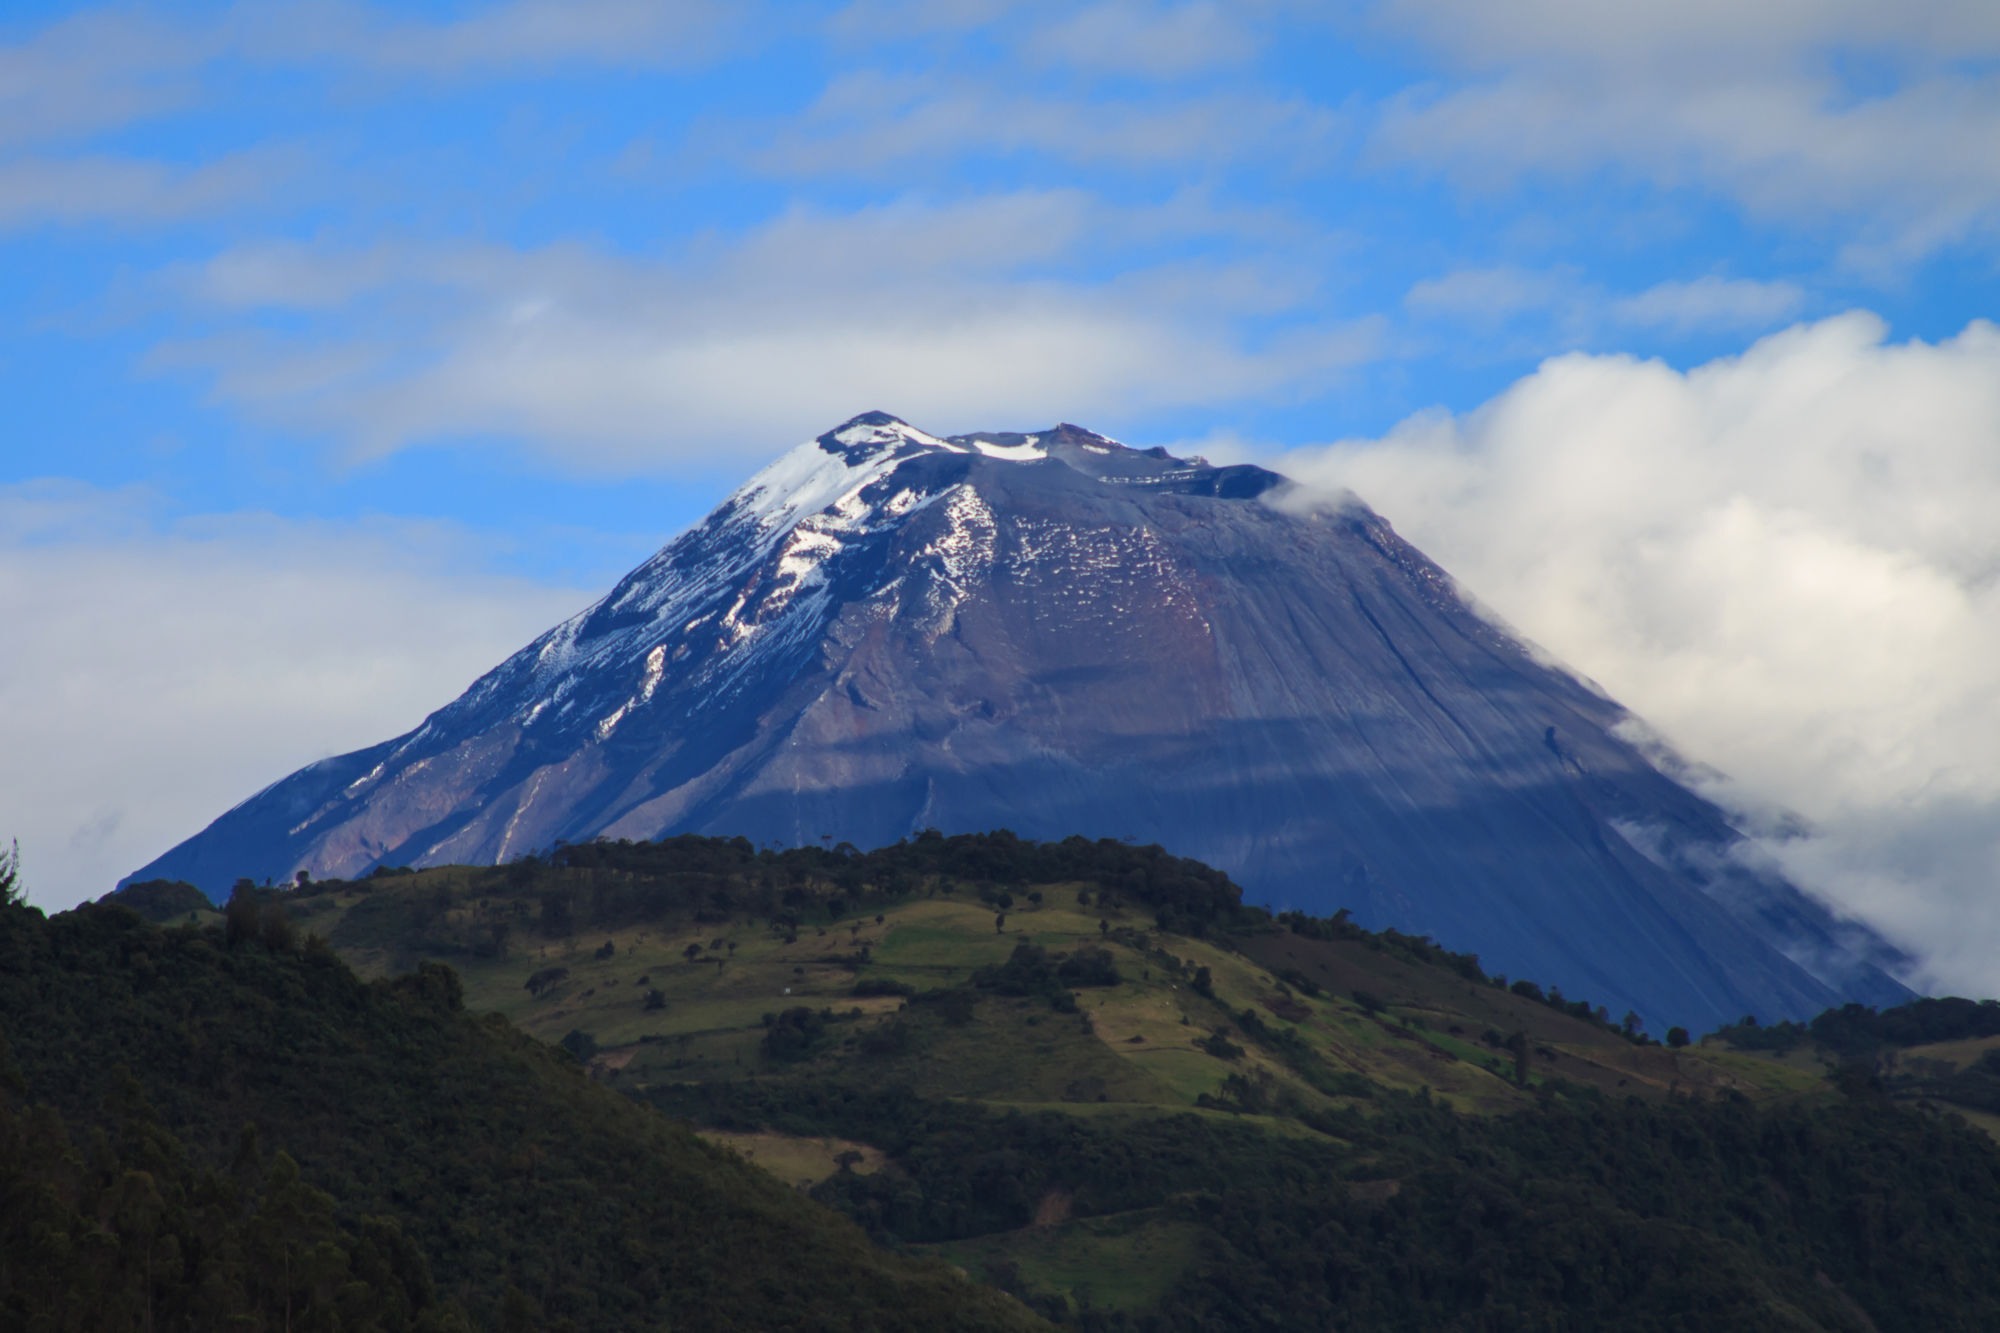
(241, 917)
(12, 892)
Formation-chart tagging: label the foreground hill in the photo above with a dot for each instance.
(886, 631)
(263, 1135)
(1085, 1073)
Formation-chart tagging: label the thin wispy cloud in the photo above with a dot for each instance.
(1159, 41)
(966, 313)
(878, 121)
(97, 70)
(1763, 103)
(1545, 311)
(522, 35)
(41, 190)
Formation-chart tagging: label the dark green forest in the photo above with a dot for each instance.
(223, 1121)
(343, 1116)
(1581, 1214)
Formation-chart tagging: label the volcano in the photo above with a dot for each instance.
(886, 631)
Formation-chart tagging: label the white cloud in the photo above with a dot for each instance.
(1694, 34)
(1760, 102)
(1121, 36)
(872, 122)
(1710, 302)
(1786, 561)
(156, 675)
(1561, 308)
(112, 66)
(122, 190)
(877, 20)
(964, 314)
(1491, 295)
(500, 37)
(93, 72)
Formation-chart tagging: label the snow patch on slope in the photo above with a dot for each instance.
(1027, 451)
(754, 579)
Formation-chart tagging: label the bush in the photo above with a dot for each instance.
(1088, 967)
(794, 1035)
(1220, 1046)
(544, 979)
(882, 986)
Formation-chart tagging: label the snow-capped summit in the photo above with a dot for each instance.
(886, 630)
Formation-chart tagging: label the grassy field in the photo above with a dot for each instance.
(1129, 1061)
(1957, 1054)
(1126, 1261)
(1251, 1030)
(689, 1001)
(798, 1160)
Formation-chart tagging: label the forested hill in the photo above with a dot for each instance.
(1085, 1073)
(202, 1126)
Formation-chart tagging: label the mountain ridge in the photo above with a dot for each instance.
(886, 630)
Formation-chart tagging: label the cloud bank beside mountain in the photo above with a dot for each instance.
(1786, 561)
(156, 675)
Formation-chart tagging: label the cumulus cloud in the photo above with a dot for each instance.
(1786, 561)
(967, 314)
(1848, 114)
(156, 674)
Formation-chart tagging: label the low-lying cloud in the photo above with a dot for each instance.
(156, 674)
(1786, 561)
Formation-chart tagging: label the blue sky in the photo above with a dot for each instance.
(556, 272)
(351, 344)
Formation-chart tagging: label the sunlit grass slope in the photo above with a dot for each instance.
(1085, 1073)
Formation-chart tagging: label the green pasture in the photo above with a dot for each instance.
(1126, 1261)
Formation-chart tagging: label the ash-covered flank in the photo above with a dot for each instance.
(885, 631)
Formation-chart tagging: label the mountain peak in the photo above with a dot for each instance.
(874, 429)
(885, 630)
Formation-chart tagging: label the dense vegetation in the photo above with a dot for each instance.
(537, 1197)
(117, 1228)
(1584, 1213)
(164, 900)
(1341, 1128)
(1858, 1031)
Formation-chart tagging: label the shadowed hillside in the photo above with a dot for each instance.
(537, 1197)
(1085, 1073)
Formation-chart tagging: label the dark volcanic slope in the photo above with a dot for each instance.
(885, 631)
